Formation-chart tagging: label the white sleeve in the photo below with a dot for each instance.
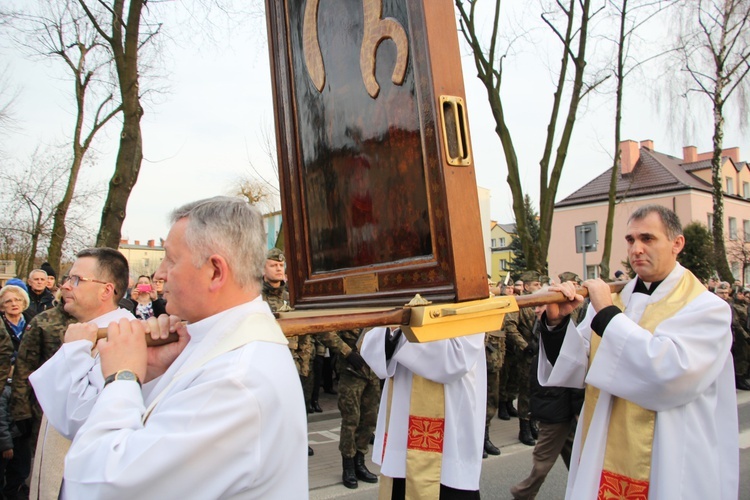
(442, 361)
(670, 368)
(67, 386)
(572, 362)
(209, 437)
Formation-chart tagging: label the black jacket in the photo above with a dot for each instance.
(41, 302)
(553, 405)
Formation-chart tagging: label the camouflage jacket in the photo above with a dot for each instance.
(494, 344)
(43, 337)
(349, 338)
(519, 328)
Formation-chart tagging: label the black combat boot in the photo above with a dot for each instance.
(511, 409)
(488, 446)
(316, 407)
(360, 469)
(741, 383)
(502, 411)
(310, 452)
(534, 426)
(349, 477)
(524, 434)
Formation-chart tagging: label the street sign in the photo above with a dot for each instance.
(586, 237)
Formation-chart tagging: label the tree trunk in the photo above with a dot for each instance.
(717, 180)
(130, 154)
(612, 199)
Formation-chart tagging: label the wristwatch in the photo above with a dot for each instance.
(122, 375)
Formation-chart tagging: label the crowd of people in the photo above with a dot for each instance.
(116, 418)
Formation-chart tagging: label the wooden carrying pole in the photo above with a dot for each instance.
(307, 322)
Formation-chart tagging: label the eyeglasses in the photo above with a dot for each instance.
(75, 280)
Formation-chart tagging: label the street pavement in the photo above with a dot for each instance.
(498, 473)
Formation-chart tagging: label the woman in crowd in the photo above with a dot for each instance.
(147, 303)
(13, 303)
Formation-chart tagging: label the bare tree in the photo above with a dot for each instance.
(29, 195)
(256, 192)
(61, 30)
(631, 15)
(118, 23)
(739, 251)
(569, 22)
(714, 55)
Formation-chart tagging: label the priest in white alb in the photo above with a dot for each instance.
(220, 412)
(430, 432)
(660, 413)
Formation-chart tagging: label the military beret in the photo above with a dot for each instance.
(568, 276)
(529, 276)
(544, 280)
(275, 254)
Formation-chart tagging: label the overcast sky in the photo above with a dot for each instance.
(207, 130)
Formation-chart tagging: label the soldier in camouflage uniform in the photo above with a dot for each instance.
(274, 292)
(522, 323)
(494, 348)
(41, 340)
(359, 398)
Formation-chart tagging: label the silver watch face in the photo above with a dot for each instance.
(126, 375)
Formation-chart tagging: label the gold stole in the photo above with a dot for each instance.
(627, 459)
(424, 440)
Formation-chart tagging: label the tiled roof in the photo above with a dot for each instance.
(654, 173)
(508, 228)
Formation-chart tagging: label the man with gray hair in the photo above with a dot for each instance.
(40, 297)
(659, 418)
(220, 413)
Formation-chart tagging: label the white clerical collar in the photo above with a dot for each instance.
(199, 329)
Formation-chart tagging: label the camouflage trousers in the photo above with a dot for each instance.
(509, 374)
(308, 384)
(359, 398)
(493, 395)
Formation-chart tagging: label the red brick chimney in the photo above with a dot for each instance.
(123, 242)
(648, 144)
(151, 243)
(629, 156)
(690, 154)
(137, 242)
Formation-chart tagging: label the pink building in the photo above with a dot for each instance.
(646, 176)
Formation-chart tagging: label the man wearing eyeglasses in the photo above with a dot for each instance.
(90, 294)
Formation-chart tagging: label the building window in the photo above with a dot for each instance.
(732, 228)
(145, 263)
(504, 264)
(493, 243)
(746, 231)
(746, 190)
(710, 222)
(730, 185)
(502, 242)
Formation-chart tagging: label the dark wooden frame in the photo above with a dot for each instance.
(455, 270)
